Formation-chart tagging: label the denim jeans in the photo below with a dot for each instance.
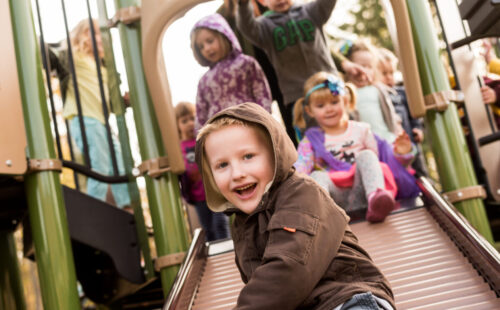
(100, 159)
(365, 301)
(215, 224)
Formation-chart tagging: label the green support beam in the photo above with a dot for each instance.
(118, 108)
(11, 287)
(448, 143)
(43, 189)
(163, 192)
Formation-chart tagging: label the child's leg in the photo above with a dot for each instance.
(380, 201)
(368, 167)
(205, 219)
(357, 196)
(98, 152)
(340, 195)
(365, 301)
(220, 225)
(120, 191)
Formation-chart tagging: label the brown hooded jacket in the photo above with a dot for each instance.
(296, 250)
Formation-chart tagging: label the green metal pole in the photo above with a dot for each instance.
(163, 192)
(448, 142)
(43, 189)
(118, 108)
(11, 287)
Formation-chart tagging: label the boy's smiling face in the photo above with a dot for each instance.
(242, 164)
(280, 6)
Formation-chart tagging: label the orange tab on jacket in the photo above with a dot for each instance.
(289, 229)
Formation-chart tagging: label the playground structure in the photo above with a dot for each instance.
(77, 237)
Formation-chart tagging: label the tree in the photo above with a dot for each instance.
(369, 21)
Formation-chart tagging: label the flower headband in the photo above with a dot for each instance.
(335, 85)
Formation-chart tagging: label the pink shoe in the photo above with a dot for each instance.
(380, 204)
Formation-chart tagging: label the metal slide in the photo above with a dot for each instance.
(431, 255)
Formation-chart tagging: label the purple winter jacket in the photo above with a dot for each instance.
(236, 79)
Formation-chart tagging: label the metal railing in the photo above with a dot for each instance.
(85, 168)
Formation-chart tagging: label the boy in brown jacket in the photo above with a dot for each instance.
(293, 247)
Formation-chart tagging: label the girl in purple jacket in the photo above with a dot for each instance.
(233, 77)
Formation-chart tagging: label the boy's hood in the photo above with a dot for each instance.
(284, 151)
(218, 23)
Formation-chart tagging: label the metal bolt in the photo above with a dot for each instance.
(498, 191)
(460, 194)
(51, 163)
(136, 172)
(8, 162)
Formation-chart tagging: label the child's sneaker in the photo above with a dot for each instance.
(380, 204)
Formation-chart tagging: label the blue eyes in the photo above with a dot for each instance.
(222, 165)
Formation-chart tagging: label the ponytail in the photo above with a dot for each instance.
(298, 114)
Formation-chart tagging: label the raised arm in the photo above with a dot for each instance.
(247, 24)
(321, 10)
(297, 257)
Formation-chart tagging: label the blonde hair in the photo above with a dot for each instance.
(351, 92)
(318, 95)
(80, 37)
(223, 122)
(223, 42)
(387, 55)
(362, 44)
(227, 121)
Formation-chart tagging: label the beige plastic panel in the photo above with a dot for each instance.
(12, 131)
(468, 71)
(156, 16)
(407, 57)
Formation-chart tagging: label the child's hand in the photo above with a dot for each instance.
(126, 100)
(487, 53)
(356, 73)
(418, 135)
(488, 94)
(402, 144)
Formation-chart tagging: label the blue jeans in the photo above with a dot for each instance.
(100, 159)
(215, 224)
(365, 301)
